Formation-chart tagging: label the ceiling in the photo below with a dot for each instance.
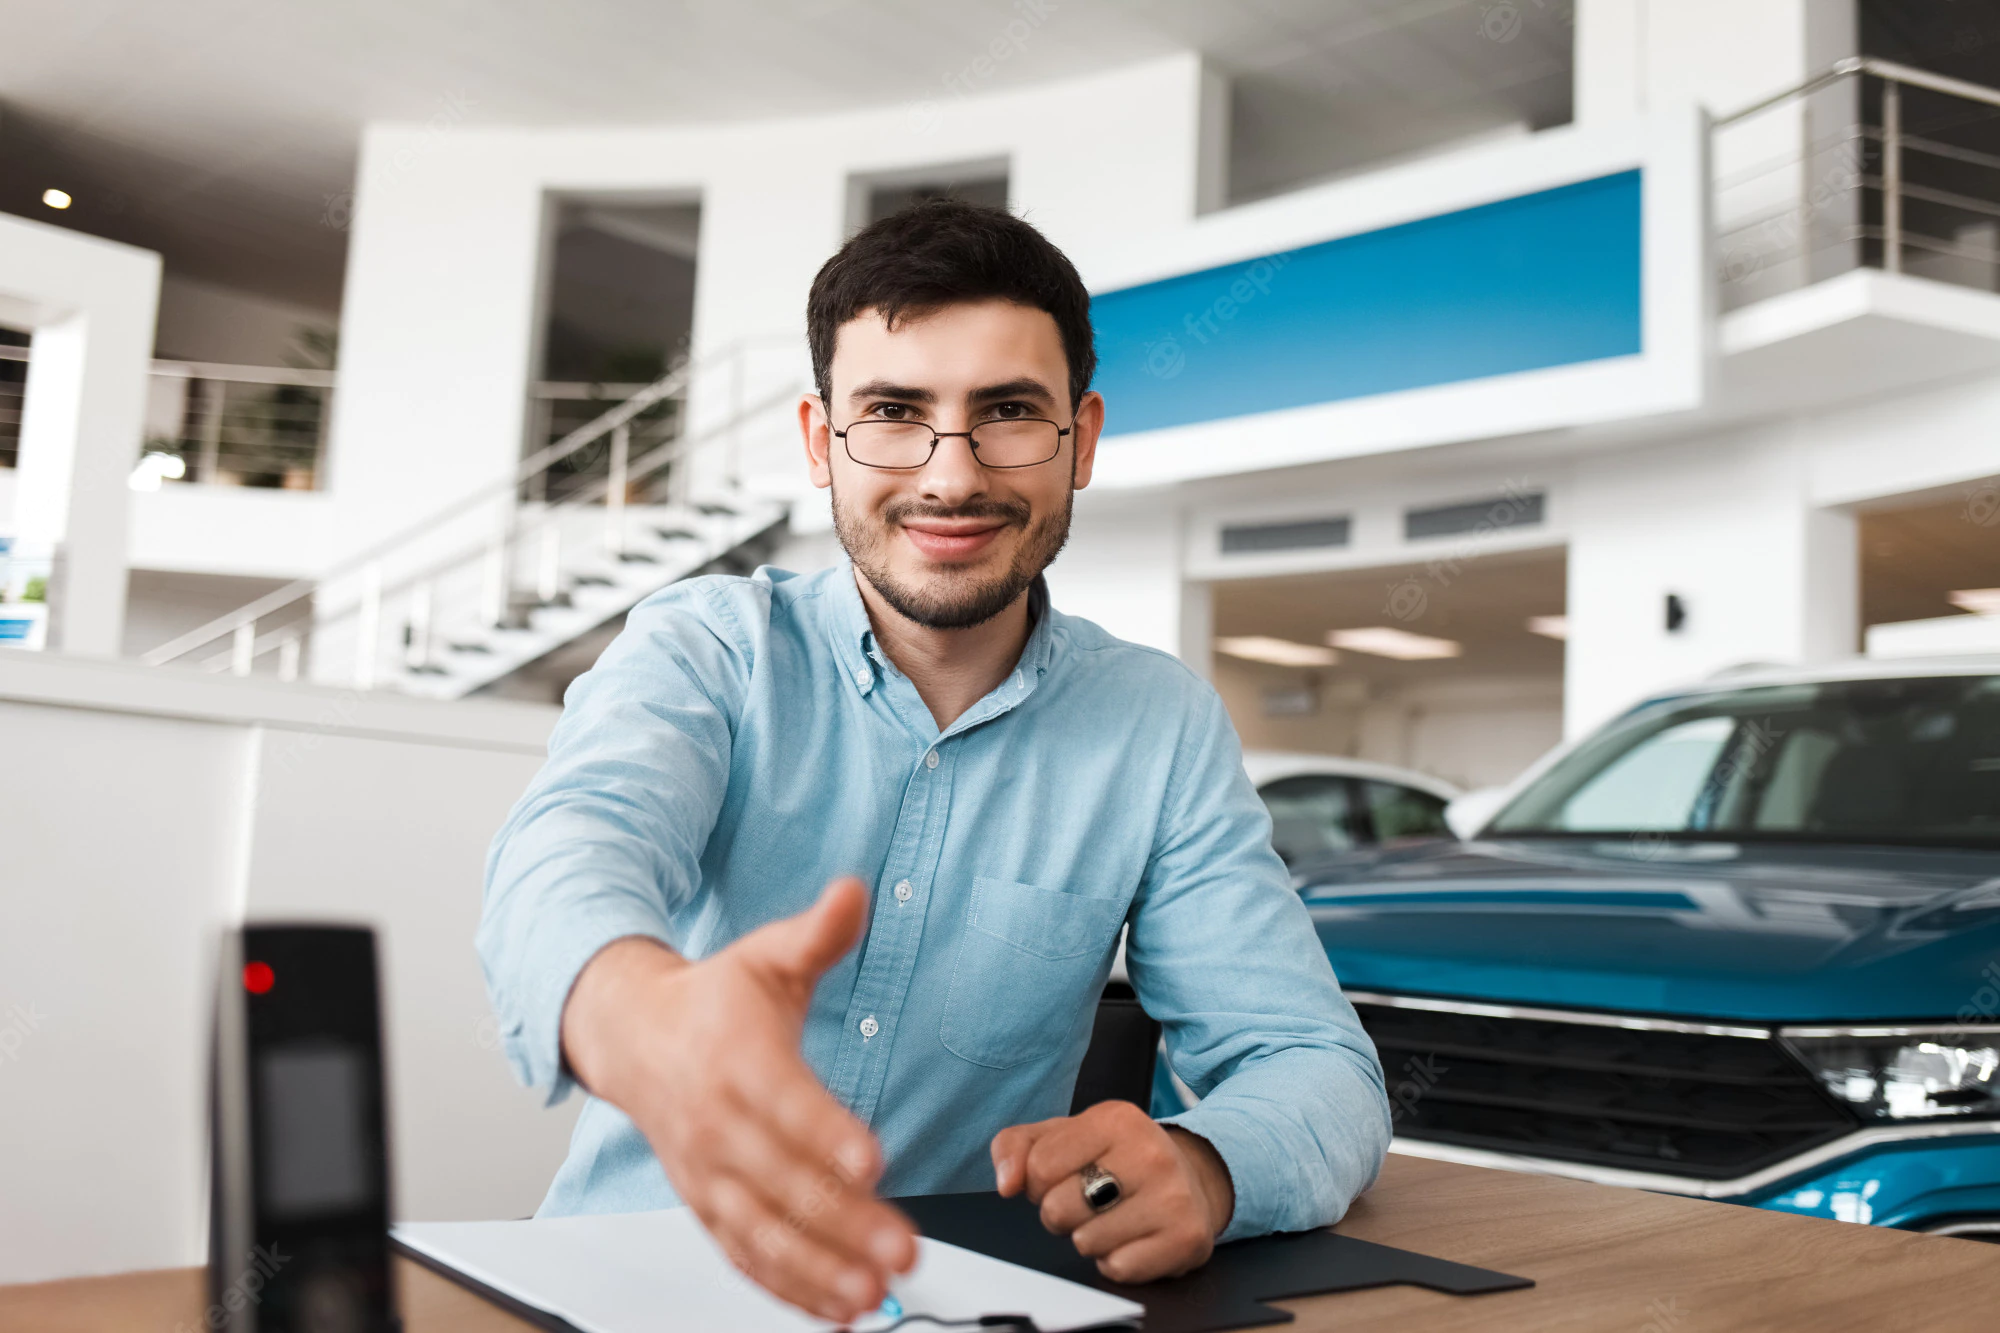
(1912, 558)
(223, 132)
(1484, 605)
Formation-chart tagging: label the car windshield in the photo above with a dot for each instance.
(1897, 761)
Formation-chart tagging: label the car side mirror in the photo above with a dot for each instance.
(1466, 815)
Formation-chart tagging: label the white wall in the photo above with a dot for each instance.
(1727, 523)
(1475, 731)
(139, 810)
(202, 321)
(247, 530)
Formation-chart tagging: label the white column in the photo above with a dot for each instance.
(1727, 525)
(91, 305)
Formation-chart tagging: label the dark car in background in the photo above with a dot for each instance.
(1327, 806)
(1743, 942)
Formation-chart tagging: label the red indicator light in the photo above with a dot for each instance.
(258, 978)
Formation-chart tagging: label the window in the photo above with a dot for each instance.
(1909, 760)
(875, 195)
(1404, 814)
(1313, 816)
(1650, 787)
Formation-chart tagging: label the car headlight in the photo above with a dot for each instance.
(1905, 1073)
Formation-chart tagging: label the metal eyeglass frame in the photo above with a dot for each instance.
(965, 435)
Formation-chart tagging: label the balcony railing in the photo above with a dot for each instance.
(1869, 164)
(240, 425)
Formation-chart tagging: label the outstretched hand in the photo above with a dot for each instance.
(704, 1057)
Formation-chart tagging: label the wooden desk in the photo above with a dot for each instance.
(1604, 1258)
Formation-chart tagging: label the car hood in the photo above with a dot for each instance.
(1761, 931)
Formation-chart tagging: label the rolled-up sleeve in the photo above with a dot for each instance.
(1223, 953)
(607, 840)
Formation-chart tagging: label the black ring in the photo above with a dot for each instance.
(1100, 1188)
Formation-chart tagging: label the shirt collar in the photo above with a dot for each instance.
(854, 633)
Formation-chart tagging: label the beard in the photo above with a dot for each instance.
(952, 598)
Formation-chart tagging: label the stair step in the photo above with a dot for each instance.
(669, 542)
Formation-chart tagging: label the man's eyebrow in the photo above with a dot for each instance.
(884, 389)
(1025, 387)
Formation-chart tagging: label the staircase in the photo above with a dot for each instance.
(499, 579)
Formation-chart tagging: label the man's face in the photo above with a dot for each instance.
(952, 543)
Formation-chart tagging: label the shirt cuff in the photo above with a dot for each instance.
(533, 1039)
(1254, 1172)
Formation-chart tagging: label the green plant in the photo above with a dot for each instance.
(36, 589)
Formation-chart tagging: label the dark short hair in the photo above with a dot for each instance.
(940, 252)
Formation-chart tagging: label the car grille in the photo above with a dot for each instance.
(1681, 1103)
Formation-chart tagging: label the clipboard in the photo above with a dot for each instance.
(660, 1270)
(1229, 1291)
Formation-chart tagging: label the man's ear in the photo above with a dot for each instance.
(1089, 425)
(818, 440)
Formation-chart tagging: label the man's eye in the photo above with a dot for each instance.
(892, 411)
(1010, 411)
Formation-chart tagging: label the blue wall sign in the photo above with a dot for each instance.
(1544, 279)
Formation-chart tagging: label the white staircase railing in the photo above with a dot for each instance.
(437, 610)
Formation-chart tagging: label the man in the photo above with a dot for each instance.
(988, 789)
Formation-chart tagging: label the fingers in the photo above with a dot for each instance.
(1151, 1184)
(788, 1264)
(806, 945)
(1160, 1254)
(1010, 1155)
(785, 1094)
(817, 1199)
(798, 1146)
(1160, 1224)
(1074, 1142)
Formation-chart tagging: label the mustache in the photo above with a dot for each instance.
(1015, 512)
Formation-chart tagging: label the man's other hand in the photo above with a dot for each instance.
(1175, 1195)
(704, 1057)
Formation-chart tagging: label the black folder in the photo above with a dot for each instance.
(1228, 1291)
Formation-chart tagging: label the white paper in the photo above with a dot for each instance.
(660, 1271)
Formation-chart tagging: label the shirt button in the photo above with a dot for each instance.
(861, 678)
(930, 760)
(869, 1027)
(903, 891)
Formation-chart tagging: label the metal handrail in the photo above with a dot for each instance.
(1882, 69)
(673, 383)
(1896, 145)
(301, 376)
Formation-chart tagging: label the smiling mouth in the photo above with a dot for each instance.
(949, 541)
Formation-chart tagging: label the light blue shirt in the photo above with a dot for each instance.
(745, 740)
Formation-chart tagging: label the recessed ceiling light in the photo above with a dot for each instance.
(1277, 652)
(56, 198)
(1400, 644)
(1549, 627)
(1979, 601)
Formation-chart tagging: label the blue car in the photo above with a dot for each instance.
(1742, 943)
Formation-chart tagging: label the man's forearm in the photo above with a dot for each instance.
(615, 984)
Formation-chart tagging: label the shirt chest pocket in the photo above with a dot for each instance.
(1027, 964)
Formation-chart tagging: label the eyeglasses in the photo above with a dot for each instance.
(906, 445)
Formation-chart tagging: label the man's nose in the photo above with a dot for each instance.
(953, 476)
